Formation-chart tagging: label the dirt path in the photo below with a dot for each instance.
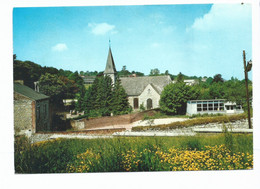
(152, 122)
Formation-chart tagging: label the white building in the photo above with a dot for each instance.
(212, 106)
(144, 90)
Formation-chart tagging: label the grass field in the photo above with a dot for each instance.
(204, 152)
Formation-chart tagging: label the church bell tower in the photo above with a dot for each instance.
(110, 66)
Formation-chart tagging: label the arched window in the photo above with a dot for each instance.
(149, 103)
(136, 104)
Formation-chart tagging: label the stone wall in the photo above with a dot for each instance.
(109, 121)
(22, 114)
(240, 124)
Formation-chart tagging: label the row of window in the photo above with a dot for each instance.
(210, 107)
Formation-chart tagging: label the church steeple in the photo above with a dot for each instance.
(110, 66)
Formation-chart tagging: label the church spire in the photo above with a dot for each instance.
(110, 66)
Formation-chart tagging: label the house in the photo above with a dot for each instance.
(31, 110)
(212, 106)
(144, 90)
(88, 79)
(189, 82)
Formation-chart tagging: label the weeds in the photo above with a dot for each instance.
(127, 153)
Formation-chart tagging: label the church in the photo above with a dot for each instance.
(145, 91)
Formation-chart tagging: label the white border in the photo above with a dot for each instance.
(201, 179)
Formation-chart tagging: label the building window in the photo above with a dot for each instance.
(216, 107)
(199, 109)
(210, 105)
(221, 106)
(136, 103)
(149, 104)
(38, 113)
(205, 107)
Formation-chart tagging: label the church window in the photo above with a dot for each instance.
(136, 103)
(149, 103)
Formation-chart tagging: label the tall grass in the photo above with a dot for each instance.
(108, 155)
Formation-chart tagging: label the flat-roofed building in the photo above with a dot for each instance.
(212, 106)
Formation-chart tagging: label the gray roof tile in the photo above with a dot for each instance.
(28, 92)
(135, 85)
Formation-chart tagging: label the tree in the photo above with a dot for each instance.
(218, 78)
(174, 98)
(51, 85)
(120, 104)
(180, 77)
(71, 89)
(154, 72)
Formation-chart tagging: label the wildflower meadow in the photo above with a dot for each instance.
(128, 154)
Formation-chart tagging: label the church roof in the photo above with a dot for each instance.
(110, 66)
(134, 86)
(28, 92)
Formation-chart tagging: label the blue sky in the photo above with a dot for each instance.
(201, 40)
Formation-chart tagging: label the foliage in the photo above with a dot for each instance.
(174, 98)
(218, 78)
(154, 72)
(133, 154)
(51, 85)
(180, 77)
(120, 104)
(27, 71)
(101, 99)
(142, 108)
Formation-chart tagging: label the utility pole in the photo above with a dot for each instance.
(247, 68)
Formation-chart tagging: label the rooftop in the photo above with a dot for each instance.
(28, 92)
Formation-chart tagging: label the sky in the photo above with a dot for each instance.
(200, 40)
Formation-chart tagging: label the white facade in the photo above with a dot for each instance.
(149, 97)
(213, 106)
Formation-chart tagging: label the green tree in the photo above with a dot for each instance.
(120, 104)
(180, 77)
(154, 72)
(51, 85)
(218, 78)
(174, 98)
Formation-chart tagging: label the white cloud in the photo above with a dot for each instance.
(102, 28)
(217, 39)
(223, 17)
(59, 47)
